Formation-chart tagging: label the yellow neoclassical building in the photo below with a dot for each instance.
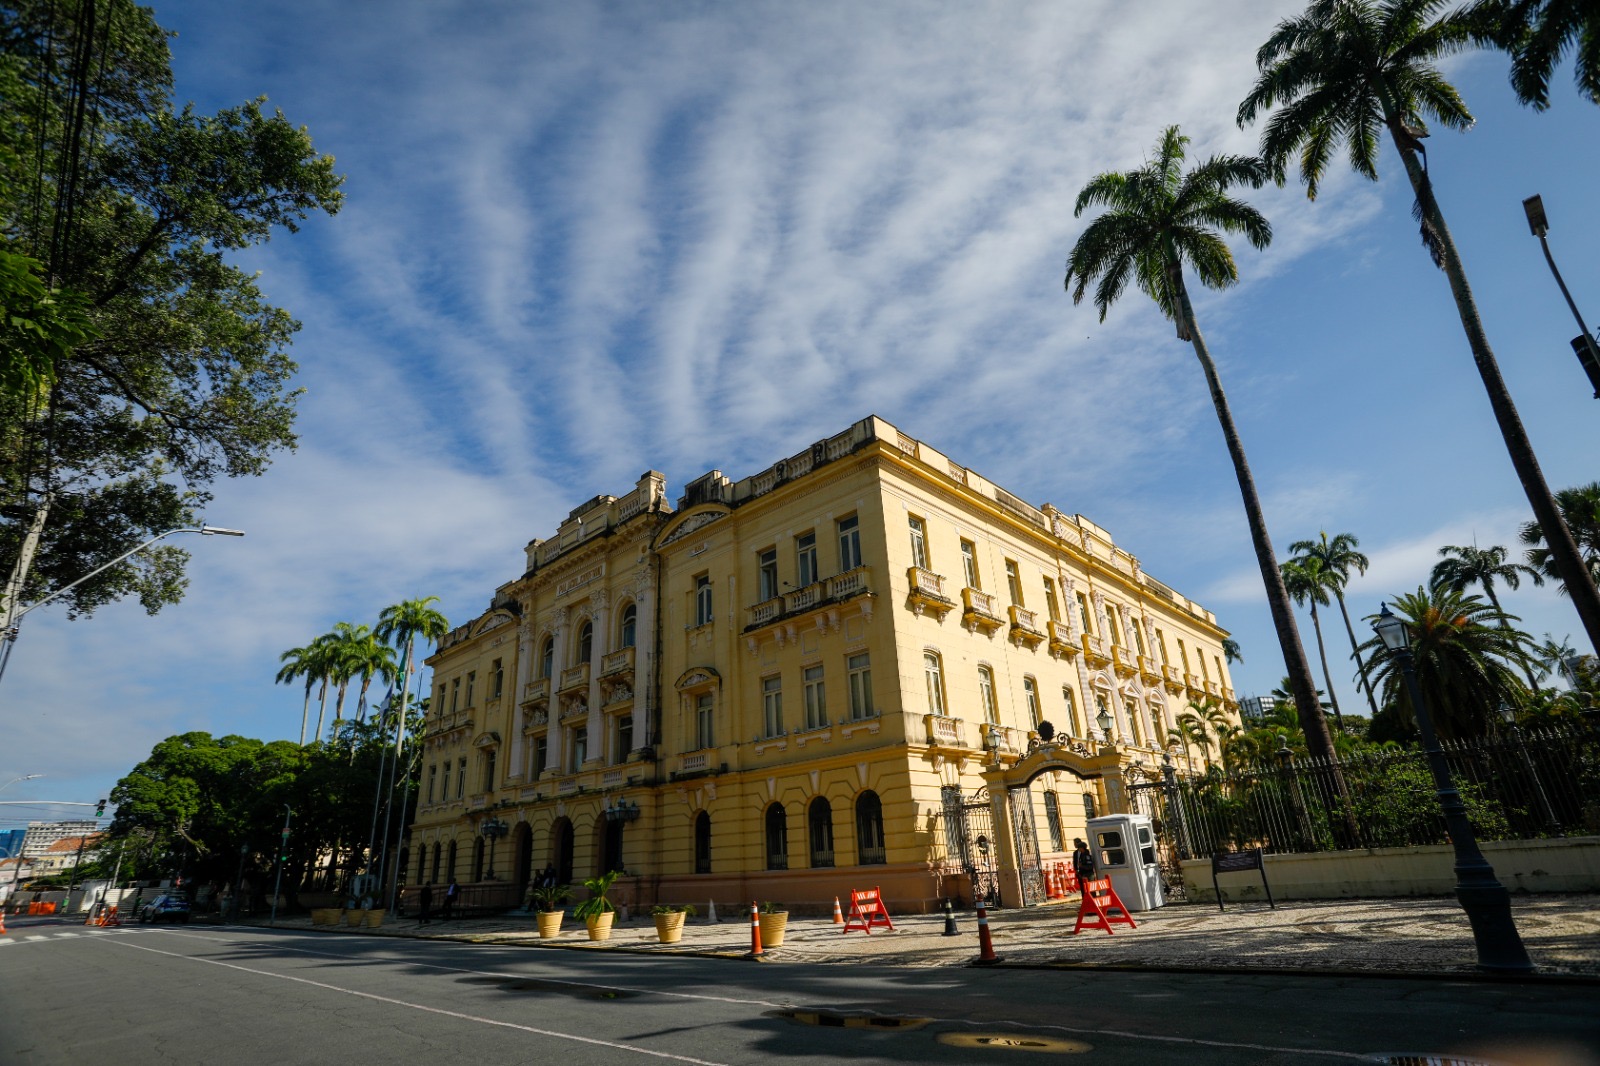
(863, 666)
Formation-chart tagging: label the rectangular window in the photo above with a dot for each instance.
(702, 600)
(816, 699)
(1030, 692)
(1083, 613)
(1220, 675)
(1130, 709)
(969, 563)
(1205, 672)
(433, 781)
(767, 584)
(1114, 620)
(541, 756)
(461, 778)
(455, 694)
(919, 542)
(580, 749)
(624, 737)
(704, 737)
(772, 705)
(1074, 727)
(1161, 643)
(1014, 583)
(860, 669)
(444, 791)
(991, 708)
(1051, 606)
(805, 559)
(488, 770)
(472, 683)
(932, 675)
(498, 675)
(1138, 636)
(1183, 653)
(849, 543)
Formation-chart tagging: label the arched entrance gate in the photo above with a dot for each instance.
(992, 834)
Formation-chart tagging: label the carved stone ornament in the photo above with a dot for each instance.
(692, 523)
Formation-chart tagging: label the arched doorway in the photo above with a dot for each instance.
(561, 850)
(522, 848)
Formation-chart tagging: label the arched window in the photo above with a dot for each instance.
(611, 857)
(435, 872)
(547, 657)
(702, 843)
(820, 819)
(870, 849)
(1052, 817)
(1135, 721)
(1030, 692)
(991, 709)
(585, 643)
(450, 863)
(1068, 697)
(422, 864)
(777, 838)
(933, 675)
(628, 634)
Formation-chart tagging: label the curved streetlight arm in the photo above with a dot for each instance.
(202, 529)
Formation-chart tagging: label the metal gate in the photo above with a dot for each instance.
(969, 840)
(1025, 833)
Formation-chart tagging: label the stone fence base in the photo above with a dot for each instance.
(1567, 864)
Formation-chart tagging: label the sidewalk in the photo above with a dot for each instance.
(1385, 936)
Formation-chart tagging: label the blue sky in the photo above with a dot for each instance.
(585, 240)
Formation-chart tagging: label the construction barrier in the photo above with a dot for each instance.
(866, 911)
(755, 931)
(1069, 882)
(1101, 909)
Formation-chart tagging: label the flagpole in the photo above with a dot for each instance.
(399, 752)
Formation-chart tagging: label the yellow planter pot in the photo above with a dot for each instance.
(772, 927)
(600, 925)
(352, 916)
(373, 919)
(549, 923)
(325, 915)
(669, 927)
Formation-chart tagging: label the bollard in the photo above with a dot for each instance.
(950, 919)
(755, 931)
(986, 955)
(838, 915)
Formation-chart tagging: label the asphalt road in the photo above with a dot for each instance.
(241, 997)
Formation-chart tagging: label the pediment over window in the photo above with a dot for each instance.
(690, 521)
(698, 677)
(486, 740)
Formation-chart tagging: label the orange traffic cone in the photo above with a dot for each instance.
(986, 955)
(838, 915)
(2, 920)
(755, 931)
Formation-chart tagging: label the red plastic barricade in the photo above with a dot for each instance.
(1101, 909)
(866, 911)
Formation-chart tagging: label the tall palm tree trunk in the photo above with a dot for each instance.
(1355, 649)
(305, 713)
(1563, 549)
(322, 707)
(1315, 726)
(1327, 675)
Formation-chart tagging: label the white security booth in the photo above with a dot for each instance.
(1124, 849)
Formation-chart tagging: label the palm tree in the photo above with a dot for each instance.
(401, 625)
(1554, 659)
(301, 663)
(366, 656)
(1193, 724)
(1179, 735)
(1472, 565)
(1339, 556)
(1342, 72)
(1230, 650)
(343, 661)
(1537, 33)
(1580, 509)
(1308, 582)
(1160, 218)
(1463, 659)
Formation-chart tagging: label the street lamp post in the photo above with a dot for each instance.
(283, 858)
(493, 829)
(1583, 345)
(1485, 899)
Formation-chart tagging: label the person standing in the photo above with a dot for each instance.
(1082, 862)
(450, 894)
(426, 904)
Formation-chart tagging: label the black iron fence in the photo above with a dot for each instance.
(1537, 782)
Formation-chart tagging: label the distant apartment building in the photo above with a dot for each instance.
(11, 843)
(40, 836)
(866, 665)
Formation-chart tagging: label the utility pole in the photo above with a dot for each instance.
(283, 859)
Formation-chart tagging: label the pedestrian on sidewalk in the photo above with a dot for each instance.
(1082, 861)
(450, 895)
(426, 904)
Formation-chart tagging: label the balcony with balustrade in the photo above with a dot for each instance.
(617, 663)
(574, 679)
(945, 732)
(1095, 650)
(1122, 660)
(1149, 670)
(927, 592)
(825, 595)
(537, 691)
(1173, 677)
(1025, 627)
(1061, 643)
(980, 611)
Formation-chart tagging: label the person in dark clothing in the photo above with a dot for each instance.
(450, 895)
(426, 905)
(1082, 861)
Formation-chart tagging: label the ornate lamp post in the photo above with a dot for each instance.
(493, 829)
(1583, 345)
(1103, 720)
(1486, 901)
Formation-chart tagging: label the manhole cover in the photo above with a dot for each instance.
(839, 1020)
(1016, 1042)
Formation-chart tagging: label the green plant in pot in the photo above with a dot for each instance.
(669, 919)
(598, 911)
(549, 899)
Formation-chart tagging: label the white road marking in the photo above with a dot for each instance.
(436, 1010)
(1010, 1026)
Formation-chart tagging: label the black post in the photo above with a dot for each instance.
(1485, 899)
(283, 858)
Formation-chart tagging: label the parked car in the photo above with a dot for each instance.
(166, 908)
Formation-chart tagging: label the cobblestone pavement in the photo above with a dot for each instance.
(1388, 936)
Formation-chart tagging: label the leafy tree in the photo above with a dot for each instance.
(1465, 662)
(1345, 71)
(178, 373)
(1537, 34)
(1580, 509)
(1160, 218)
(1463, 566)
(1339, 555)
(39, 327)
(1308, 582)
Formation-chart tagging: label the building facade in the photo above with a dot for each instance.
(863, 666)
(41, 836)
